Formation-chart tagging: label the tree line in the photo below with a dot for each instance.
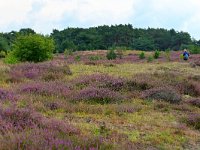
(107, 37)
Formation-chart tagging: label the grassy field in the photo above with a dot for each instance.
(70, 103)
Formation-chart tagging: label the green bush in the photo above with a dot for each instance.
(2, 54)
(150, 59)
(32, 48)
(78, 58)
(111, 55)
(167, 54)
(156, 54)
(194, 49)
(94, 58)
(142, 55)
(68, 52)
(120, 51)
(11, 59)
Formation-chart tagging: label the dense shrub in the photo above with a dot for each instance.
(33, 48)
(194, 49)
(111, 55)
(142, 55)
(11, 59)
(162, 93)
(97, 95)
(156, 54)
(150, 59)
(2, 54)
(193, 120)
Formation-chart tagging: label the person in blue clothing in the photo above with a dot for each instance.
(186, 55)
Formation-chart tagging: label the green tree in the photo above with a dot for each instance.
(3, 44)
(33, 48)
(156, 54)
(111, 54)
(142, 55)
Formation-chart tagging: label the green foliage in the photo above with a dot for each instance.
(78, 58)
(156, 54)
(181, 56)
(194, 49)
(94, 58)
(111, 55)
(33, 48)
(11, 59)
(68, 52)
(142, 55)
(167, 54)
(150, 59)
(2, 54)
(122, 36)
(3, 44)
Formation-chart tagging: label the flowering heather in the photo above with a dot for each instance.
(51, 88)
(47, 70)
(189, 87)
(101, 81)
(162, 93)
(195, 102)
(193, 120)
(7, 95)
(18, 119)
(97, 95)
(142, 82)
(41, 139)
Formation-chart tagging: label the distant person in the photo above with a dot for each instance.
(186, 55)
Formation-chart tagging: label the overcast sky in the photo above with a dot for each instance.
(45, 15)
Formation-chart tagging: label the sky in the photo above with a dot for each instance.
(45, 15)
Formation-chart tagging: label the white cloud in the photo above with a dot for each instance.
(105, 11)
(44, 15)
(13, 11)
(88, 12)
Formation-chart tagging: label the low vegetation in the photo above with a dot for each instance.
(84, 101)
